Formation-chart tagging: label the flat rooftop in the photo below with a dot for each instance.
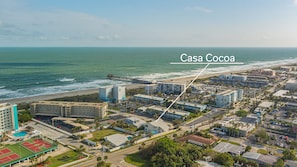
(190, 104)
(149, 97)
(266, 104)
(292, 81)
(226, 92)
(6, 105)
(228, 147)
(64, 103)
(173, 111)
(196, 138)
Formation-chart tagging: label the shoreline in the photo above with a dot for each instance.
(61, 95)
(185, 80)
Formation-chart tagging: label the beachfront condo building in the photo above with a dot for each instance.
(263, 72)
(170, 88)
(112, 93)
(228, 98)
(241, 80)
(8, 117)
(150, 89)
(291, 85)
(69, 109)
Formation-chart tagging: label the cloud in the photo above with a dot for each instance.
(108, 37)
(295, 2)
(199, 9)
(19, 21)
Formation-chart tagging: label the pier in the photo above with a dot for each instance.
(128, 79)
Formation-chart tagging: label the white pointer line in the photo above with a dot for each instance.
(190, 84)
(189, 63)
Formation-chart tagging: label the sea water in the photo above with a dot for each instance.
(37, 71)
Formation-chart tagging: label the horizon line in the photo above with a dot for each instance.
(148, 46)
(203, 63)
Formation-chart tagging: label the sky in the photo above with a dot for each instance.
(148, 23)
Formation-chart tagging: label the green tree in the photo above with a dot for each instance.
(176, 122)
(262, 135)
(241, 113)
(100, 164)
(248, 148)
(289, 155)
(224, 159)
(293, 144)
(279, 163)
(24, 116)
(165, 152)
(99, 158)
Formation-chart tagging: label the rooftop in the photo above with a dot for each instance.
(292, 81)
(190, 104)
(149, 97)
(229, 148)
(266, 104)
(66, 103)
(291, 104)
(268, 159)
(136, 121)
(290, 163)
(196, 138)
(6, 105)
(173, 111)
(249, 119)
(160, 123)
(117, 139)
(208, 164)
(226, 92)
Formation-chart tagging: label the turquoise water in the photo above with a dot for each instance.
(36, 71)
(154, 132)
(129, 138)
(20, 134)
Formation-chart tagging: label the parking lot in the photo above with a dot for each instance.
(46, 131)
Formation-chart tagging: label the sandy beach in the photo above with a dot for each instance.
(185, 80)
(60, 95)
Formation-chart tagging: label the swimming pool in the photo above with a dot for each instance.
(20, 134)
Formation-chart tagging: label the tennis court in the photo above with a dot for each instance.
(36, 145)
(6, 155)
(21, 151)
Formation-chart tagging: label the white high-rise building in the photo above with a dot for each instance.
(8, 117)
(228, 97)
(112, 93)
(105, 93)
(119, 93)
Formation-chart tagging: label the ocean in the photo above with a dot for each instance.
(33, 71)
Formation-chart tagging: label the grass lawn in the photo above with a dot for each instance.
(231, 142)
(64, 158)
(137, 160)
(262, 151)
(100, 134)
(20, 150)
(132, 128)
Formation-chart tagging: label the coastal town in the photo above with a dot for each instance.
(242, 119)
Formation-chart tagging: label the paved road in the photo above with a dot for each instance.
(206, 117)
(116, 158)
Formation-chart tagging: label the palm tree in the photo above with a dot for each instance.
(99, 159)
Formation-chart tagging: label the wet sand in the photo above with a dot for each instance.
(60, 95)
